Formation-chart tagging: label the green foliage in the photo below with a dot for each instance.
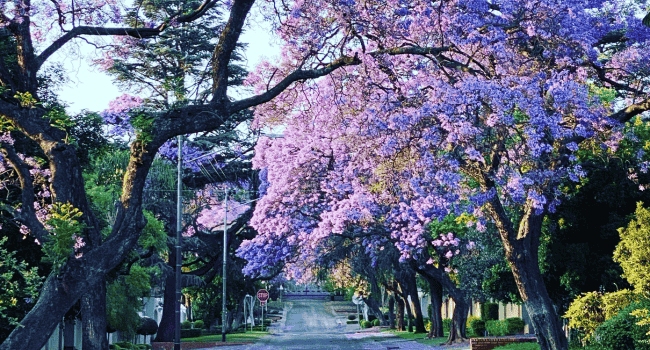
(590, 310)
(59, 119)
(632, 251)
(26, 99)
(496, 327)
(191, 333)
(365, 324)
(621, 332)
(18, 282)
(123, 298)
(199, 324)
(519, 346)
(375, 322)
(124, 345)
(153, 233)
(515, 325)
(66, 228)
(187, 324)
(476, 326)
(5, 124)
(446, 324)
(143, 125)
(489, 311)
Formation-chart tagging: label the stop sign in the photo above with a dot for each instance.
(262, 295)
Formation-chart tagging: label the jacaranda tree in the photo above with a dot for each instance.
(477, 107)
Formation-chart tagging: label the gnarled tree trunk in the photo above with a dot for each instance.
(435, 291)
(521, 250)
(93, 318)
(391, 311)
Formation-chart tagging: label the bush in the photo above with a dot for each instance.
(621, 331)
(375, 322)
(191, 333)
(496, 328)
(352, 317)
(186, 324)
(351, 321)
(515, 325)
(124, 345)
(366, 324)
(519, 346)
(446, 324)
(198, 324)
(476, 326)
(489, 311)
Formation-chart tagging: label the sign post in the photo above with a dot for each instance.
(262, 296)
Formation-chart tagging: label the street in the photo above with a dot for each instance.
(315, 324)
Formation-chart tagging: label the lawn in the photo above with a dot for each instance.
(234, 337)
(419, 337)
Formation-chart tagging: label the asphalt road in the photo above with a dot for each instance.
(313, 324)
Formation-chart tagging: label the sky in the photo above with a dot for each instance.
(91, 89)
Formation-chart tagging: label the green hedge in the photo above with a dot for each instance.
(365, 324)
(496, 328)
(191, 333)
(489, 311)
(446, 325)
(375, 322)
(186, 324)
(476, 326)
(198, 324)
(352, 317)
(621, 331)
(515, 325)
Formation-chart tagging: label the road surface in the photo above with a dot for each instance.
(315, 324)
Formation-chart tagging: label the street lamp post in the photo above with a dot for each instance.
(179, 258)
(281, 289)
(224, 311)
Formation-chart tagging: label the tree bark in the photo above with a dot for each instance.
(521, 249)
(400, 312)
(93, 318)
(412, 291)
(167, 322)
(436, 305)
(391, 311)
(458, 322)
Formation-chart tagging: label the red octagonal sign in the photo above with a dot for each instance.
(262, 295)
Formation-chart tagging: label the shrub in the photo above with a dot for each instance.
(375, 322)
(515, 325)
(365, 324)
(496, 328)
(519, 346)
(621, 331)
(191, 333)
(186, 324)
(476, 326)
(198, 324)
(351, 321)
(489, 311)
(446, 324)
(352, 317)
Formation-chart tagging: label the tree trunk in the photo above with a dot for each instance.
(93, 318)
(238, 316)
(521, 250)
(458, 322)
(436, 305)
(373, 307)
(400, 312)
(412, 290)
(391, 312)
(167, 322)
(409, 313)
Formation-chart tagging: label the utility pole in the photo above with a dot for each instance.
(179, 258)
(224, 311)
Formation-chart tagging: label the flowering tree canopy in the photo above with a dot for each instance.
(453, 107)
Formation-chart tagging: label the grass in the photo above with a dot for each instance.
(419, 337)
(234, 337)
(519, 346)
